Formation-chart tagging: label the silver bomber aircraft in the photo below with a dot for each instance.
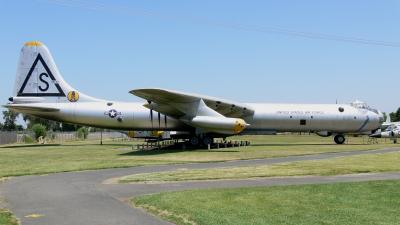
(41, 91)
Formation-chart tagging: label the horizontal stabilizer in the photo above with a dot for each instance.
(31, 108)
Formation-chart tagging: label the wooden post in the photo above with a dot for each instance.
(101, 137)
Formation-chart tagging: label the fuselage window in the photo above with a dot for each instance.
(303, 122)
(341, 109)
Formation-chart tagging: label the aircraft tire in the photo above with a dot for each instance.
(208, 141)
(194, 141)
(339, 139)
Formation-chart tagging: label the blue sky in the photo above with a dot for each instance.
(219, 48)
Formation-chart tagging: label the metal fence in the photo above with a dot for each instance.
(10, 137)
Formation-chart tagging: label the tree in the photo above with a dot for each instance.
(395, 116)
(39, 130)
(70, 127)
(384, 116)
(50, 124)
(82, 132)
(32, 120)
(10, 118)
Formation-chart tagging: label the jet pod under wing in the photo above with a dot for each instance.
(177, 104)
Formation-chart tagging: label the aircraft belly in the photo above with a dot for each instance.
(118, 116)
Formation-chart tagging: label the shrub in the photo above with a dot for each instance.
(27, 139)
(39, 130)
(82, 133)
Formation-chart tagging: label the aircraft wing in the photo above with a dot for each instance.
(177, 104)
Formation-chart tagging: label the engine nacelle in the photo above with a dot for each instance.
(221, 125)
(148, 134)
(324, 133)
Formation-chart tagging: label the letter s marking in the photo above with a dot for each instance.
(45, 82)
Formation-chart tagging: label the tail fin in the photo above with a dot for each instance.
(38, 76)
(388, 120)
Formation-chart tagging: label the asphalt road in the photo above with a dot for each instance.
(82, 198)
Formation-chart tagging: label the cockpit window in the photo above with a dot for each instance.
(359, 105)
(362, 105)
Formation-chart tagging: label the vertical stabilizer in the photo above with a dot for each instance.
(388, 120)
(38, 76)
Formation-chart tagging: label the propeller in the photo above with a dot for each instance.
(158, 116)
(159, 120)
(151, 114)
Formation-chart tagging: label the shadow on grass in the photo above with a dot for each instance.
(177, 149)
(304, 144)
(30, 146)
(64, 145)
(173, 150)
(152, 152)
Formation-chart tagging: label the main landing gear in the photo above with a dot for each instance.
(196, 141)
(339, 139)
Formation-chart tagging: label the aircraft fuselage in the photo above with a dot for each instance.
(334, 118)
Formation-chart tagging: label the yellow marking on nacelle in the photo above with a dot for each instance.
(131, 134)
(158, 133)
(240, 125)
(34, 216)
(33, 44)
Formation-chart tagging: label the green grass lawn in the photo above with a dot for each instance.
(75, 156)
(6, 218)
(366, 203)
(343, 165)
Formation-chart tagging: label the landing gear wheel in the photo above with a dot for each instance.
(339, 139)
(208, 141)
(194, 141)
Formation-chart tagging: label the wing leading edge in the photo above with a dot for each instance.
(178, 104)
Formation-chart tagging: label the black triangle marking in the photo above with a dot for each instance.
(60, 91)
